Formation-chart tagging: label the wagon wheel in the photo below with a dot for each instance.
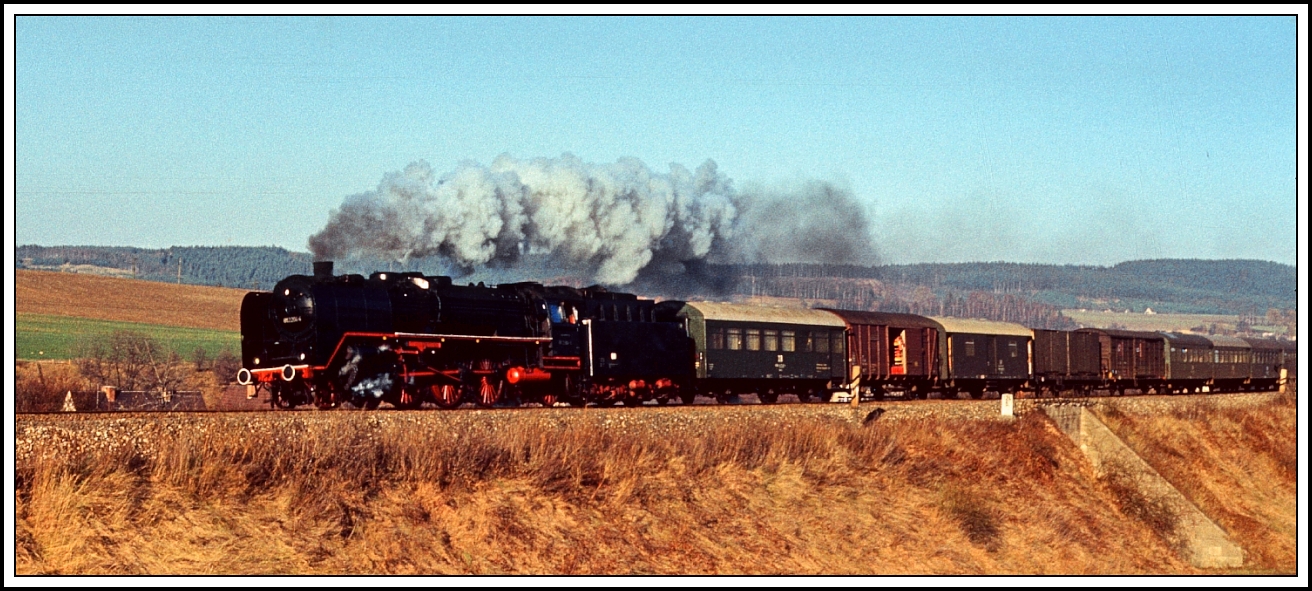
(488, 393)
(768, 397)
(408, 400)
(688, 397)
(445, 395)
(550, 399)
(632, 401)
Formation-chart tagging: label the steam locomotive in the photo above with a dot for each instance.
(408, 339)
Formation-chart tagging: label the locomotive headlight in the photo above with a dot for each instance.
(382, 276)
(420, 281)
(302, 356)
(257, 361)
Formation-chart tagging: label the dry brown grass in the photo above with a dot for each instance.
(127, 300)
(40, 386)
(1239, 465)
(348, 493)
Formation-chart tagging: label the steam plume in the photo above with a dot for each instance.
(607, 222)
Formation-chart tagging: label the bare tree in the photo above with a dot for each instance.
(129, 361)
(201, 358)
(226, 366)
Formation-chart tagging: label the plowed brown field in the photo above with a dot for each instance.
(127, 300)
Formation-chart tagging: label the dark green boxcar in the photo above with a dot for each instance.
(979, 355)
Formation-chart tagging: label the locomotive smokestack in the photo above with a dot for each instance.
(323, 270)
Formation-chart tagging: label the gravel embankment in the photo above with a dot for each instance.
(145, 432)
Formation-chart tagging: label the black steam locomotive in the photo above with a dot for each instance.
(409, 339)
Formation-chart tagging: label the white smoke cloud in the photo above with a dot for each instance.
(604, 221)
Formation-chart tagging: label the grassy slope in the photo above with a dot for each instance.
(1239, 466)
(127, 300)
(347, 493)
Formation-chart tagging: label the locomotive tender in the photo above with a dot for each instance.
(409, 339)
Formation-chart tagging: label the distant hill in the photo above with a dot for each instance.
(221, 266)
(1028, 293)
(1247, 287)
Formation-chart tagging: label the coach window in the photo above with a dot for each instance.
(837, 347)
(808, 344)
(753, 339)
(771, 338)
(788, 340)
(717, 339)
(735, 339)
(821, 342)
(970, 348)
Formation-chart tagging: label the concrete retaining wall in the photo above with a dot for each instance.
(1200, 540)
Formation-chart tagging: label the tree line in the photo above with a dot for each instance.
(1206, 286)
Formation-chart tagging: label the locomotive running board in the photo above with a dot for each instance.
(459, 337)
(426, 337)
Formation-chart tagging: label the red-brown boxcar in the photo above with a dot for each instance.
(1131, 360)
(892, 352)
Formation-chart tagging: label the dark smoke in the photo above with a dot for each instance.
(615, 224)
(816, 223)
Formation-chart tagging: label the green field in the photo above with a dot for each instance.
(46, 336)
(1156, 322)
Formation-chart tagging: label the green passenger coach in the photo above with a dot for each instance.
(769, 351)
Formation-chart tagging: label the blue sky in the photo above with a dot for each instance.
(1087, 140)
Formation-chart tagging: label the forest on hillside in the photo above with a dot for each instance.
(1031, 294)
(222, 266)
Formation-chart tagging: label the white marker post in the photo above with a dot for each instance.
(1008, 405)
(856, 385)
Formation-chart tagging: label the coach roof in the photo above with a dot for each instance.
(745, 313)
(892, 319)
(975, 326)
(1228, 341)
